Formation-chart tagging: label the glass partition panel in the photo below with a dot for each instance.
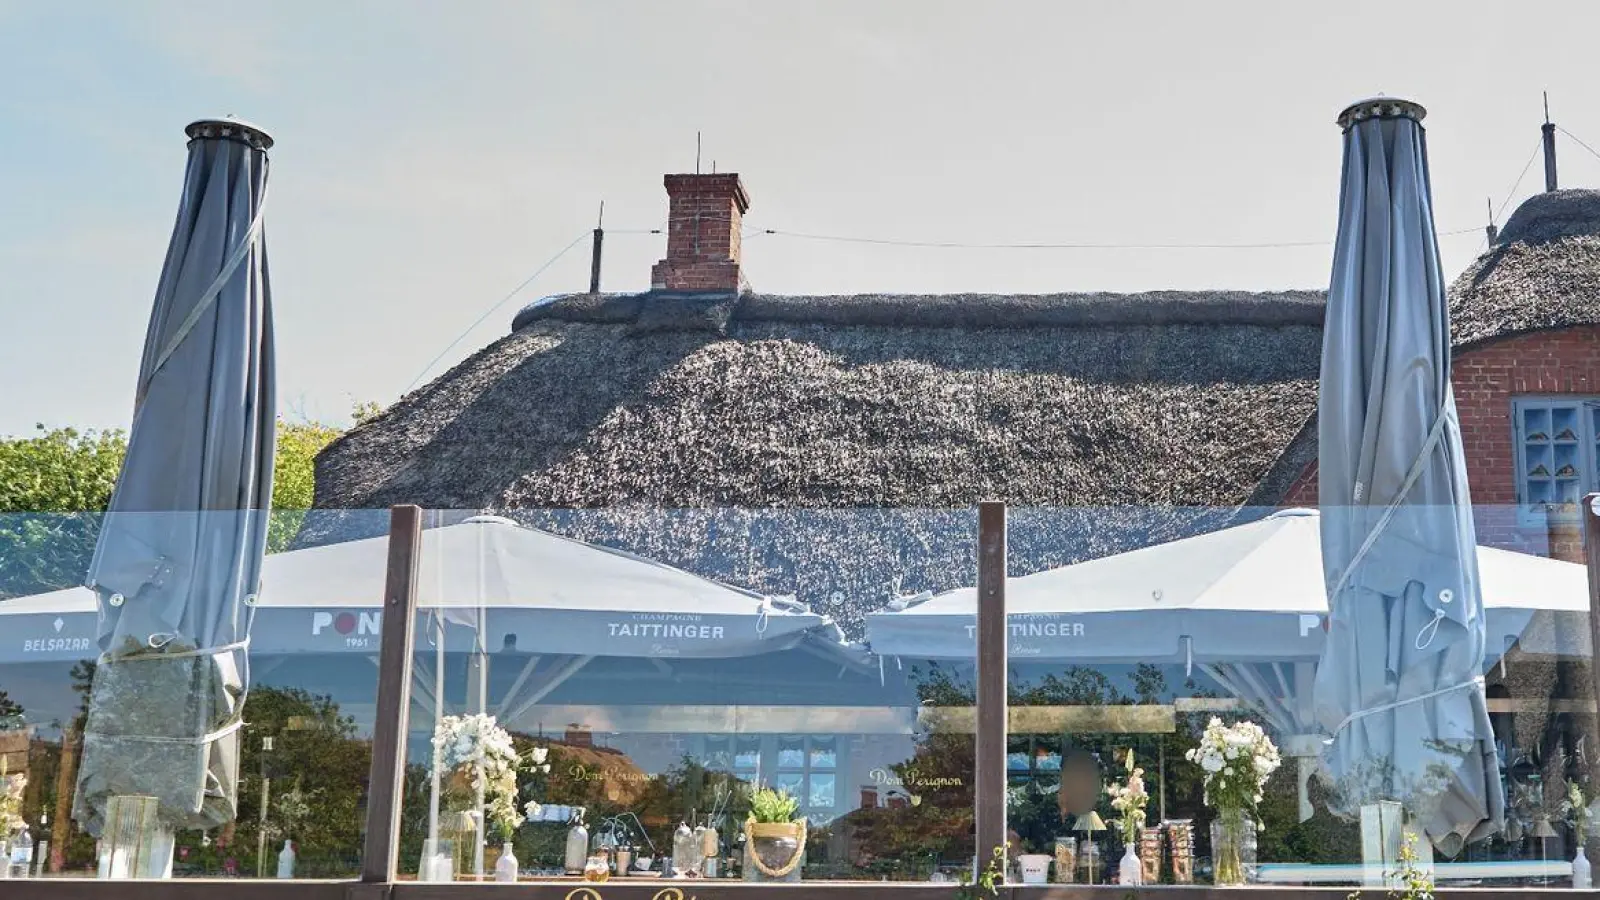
(1182, 664)
(654, 674)
(280, 789)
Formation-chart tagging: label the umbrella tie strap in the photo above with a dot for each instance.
(1388, 707)
(158, 641)
(246, 244)
(1417, 467)
(232, 725)
(1431, 630)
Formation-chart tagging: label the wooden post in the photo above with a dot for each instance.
(386, 784)
(61, 825)
(990, 780)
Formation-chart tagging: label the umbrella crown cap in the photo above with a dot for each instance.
(1381, 108)
(230, 129)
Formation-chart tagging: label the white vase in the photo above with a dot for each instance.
(286, 861)
(1582, 878)
(505, 868)
(1130, 871)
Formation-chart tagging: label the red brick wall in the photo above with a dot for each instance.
(703, 234)
(1486, 380)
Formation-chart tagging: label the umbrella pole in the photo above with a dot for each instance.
(483, 709)
(1162, 744)
(430, 855)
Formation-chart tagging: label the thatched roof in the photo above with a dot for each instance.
(833, 447)
(785, 424)
(1543, 273)
(828, 402)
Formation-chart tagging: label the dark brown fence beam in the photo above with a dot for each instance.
(386, 784)
(990, 779)
(715, 889)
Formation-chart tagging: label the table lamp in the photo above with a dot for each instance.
(1089, 823)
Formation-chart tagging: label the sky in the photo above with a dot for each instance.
(431, 157)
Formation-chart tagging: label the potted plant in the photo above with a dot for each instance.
(774, 837)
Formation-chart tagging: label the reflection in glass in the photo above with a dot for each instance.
(822, 792)
(791, 753)
(748, 757)
(879, 756)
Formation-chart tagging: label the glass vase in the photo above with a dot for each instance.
(1233, 847)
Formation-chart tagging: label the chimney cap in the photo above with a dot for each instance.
(1381, 107)
(709, 181)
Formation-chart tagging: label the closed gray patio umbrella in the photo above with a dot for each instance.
(1399, 686)
(179, 554)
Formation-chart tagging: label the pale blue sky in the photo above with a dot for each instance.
(431, 155)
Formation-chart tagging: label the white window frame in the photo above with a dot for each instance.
(1582, 453)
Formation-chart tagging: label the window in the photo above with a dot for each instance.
(1030, 757)
(718, 758)
(806, 769)
(1557, 458)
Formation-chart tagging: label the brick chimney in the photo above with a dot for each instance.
(703, 224)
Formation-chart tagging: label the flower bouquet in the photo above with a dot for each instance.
(476, 754)
(1577, 809)
(1236, 761)
(11, 802)
(1129, 799)
(11, 788)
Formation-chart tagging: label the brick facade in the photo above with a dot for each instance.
(1486, 380)
(704, 218)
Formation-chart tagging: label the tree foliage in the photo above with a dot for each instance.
(318, 769)
(294, 478)
(10, 712)
(55, 484)
(52, 487)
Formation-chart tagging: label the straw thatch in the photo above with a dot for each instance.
(1542, 274)
(797, 436)
(832, 447)
(831, 402)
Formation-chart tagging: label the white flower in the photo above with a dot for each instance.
(539, 753)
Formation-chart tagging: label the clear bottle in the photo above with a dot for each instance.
(687, 852)
(711, 847)
(577, 855)
(286, 859)
(22, 852)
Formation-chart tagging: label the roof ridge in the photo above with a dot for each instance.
(961, 310)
